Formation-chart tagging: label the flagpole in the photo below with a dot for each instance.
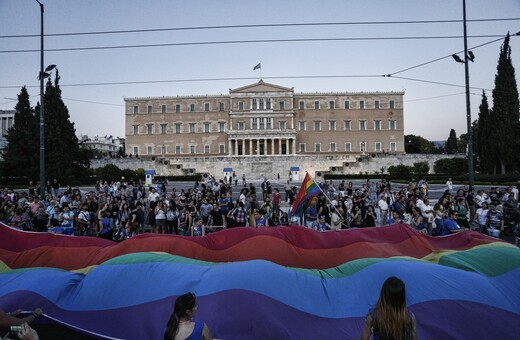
(261, 77)
(327, 197)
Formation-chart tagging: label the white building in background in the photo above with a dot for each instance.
(6, 122)
(106, 146)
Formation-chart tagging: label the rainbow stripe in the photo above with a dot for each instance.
(307, 190)
(285, 282)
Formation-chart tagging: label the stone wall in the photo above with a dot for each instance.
(270, 167)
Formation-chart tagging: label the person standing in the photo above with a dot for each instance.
(321, 224)
(311, 213)
(383, 210)
(390, 319)
(450, 225)
(449, 184)
(288, 190)
(276, 200)
(481, 217)
(260, 220)
(181, 324)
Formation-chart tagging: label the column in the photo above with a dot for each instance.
(265, 146)
(279, 146)
(258, 146)
(292, 122)
(272, 146)
(294, 146)
(236, 147)
(251, 147)
(230, 147)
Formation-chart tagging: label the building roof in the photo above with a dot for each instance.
(261, 86)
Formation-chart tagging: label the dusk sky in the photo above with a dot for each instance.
(356, 43)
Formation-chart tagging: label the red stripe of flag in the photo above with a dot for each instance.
(307, 190)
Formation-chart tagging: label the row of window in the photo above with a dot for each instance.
(265, 104)
(192, 128)
(191, 108)
(347, 125)
(266, 124)
(163, 149)
(346, 104)
(363, 147)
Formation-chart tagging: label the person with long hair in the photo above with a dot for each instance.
(390, 319)
(181, 325)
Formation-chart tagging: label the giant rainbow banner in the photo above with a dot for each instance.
(267, 283)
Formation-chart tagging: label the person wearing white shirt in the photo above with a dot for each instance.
(153, 195)
(427, 212)
(481, 216)
(383, 210)
(449, 183)
(514, 191)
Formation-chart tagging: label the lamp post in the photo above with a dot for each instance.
(468, 56)
(471, 170)
(42, 111)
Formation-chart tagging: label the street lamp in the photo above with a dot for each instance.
(42, 111)
(468, 56)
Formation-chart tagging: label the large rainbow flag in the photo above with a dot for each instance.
(307, 190)
(266, 283)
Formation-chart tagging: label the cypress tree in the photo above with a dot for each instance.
(451, 143)
(65, 158)
(505, 111)
(486, 138)
(21, 155)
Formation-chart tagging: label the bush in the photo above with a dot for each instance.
(420, 169)
(451, 166)
(400, 171)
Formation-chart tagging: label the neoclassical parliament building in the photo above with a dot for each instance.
(265, 119)
(263, 125)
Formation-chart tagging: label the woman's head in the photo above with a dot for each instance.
(392, 319)
(185, 306)
(393, 293)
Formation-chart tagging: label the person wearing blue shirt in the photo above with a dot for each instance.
(321, 224)
(450, 225)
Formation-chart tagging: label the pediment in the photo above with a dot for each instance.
(261, 86)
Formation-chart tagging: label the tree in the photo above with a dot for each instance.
(21, 155)
(485, 136)
(452, 143)
(462, 143)
(505, 113)
(65, 157)
(418, 144)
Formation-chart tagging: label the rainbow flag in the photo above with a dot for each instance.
(307, 190)
(81, 282)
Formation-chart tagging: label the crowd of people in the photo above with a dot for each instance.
(120, 210)
(376, 204)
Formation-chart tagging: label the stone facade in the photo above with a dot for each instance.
(265, 120)
(270, 166)
(6, 122)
